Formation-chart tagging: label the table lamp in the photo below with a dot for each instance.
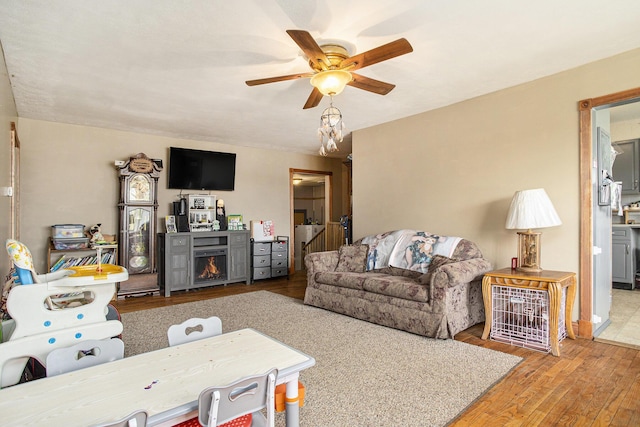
(530, 209)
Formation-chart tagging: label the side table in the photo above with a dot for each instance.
(548, 280)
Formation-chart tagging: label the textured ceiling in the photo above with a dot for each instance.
(177, 68)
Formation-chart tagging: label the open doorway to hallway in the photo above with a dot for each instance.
(311, 209)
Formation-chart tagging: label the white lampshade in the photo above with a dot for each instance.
(531, 209)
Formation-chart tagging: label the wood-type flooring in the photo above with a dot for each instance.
(589, 384)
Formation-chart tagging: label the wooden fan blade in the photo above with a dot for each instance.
(371, 85)
(310, 48)
(277, 79)
(378, 54)
(314, 99)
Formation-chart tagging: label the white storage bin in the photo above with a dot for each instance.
(71, 244)
(67, 231)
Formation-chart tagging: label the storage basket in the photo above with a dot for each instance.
(71, 244)
(67, 231)
(520, 316)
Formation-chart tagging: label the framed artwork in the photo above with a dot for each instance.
(234, 222)
(170, 223)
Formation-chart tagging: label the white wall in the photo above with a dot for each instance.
(622, 131)
(453, 171)
(69, 177)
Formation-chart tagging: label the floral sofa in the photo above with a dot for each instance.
(405, 279)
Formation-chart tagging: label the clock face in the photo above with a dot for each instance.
(139, 189)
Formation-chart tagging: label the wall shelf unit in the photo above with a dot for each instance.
(631, 215)
(201, 209)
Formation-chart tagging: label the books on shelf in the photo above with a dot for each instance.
(70, 261)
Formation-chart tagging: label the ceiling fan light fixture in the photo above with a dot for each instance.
(331, 82)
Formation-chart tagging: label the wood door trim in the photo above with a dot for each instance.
(293, 171)
(585, 106)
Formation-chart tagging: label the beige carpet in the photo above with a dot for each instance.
(365, 374)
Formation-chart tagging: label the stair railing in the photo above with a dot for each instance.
(329, 239)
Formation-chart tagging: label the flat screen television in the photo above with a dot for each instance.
(201, 170)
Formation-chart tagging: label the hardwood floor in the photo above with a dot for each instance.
(294, 287)
(590, 384)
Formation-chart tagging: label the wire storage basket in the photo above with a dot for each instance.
(520, 316)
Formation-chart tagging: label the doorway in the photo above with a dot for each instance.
(311, 208)
(299, 216)
(623, 326)
(589, 264)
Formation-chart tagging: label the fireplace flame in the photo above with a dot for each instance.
(210, 271)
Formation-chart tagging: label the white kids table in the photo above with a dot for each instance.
(165, 383)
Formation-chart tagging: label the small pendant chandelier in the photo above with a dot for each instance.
(331, 129)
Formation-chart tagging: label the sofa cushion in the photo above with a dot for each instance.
(421, 278)
(397, 287)
(352, 258)
(341, 279)
(397, 271)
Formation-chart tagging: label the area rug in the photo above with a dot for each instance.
(365, 374)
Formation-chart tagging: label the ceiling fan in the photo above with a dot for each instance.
(332, 67)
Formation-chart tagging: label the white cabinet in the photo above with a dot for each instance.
(201, 209)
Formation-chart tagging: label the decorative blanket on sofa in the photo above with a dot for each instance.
(408, 249)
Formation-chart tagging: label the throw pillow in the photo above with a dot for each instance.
(352, 258)
(439, 260)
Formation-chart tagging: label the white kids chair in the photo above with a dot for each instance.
(239, 404)
(84, 354)
(194, 329)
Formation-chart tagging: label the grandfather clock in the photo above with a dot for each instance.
(138, 218)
